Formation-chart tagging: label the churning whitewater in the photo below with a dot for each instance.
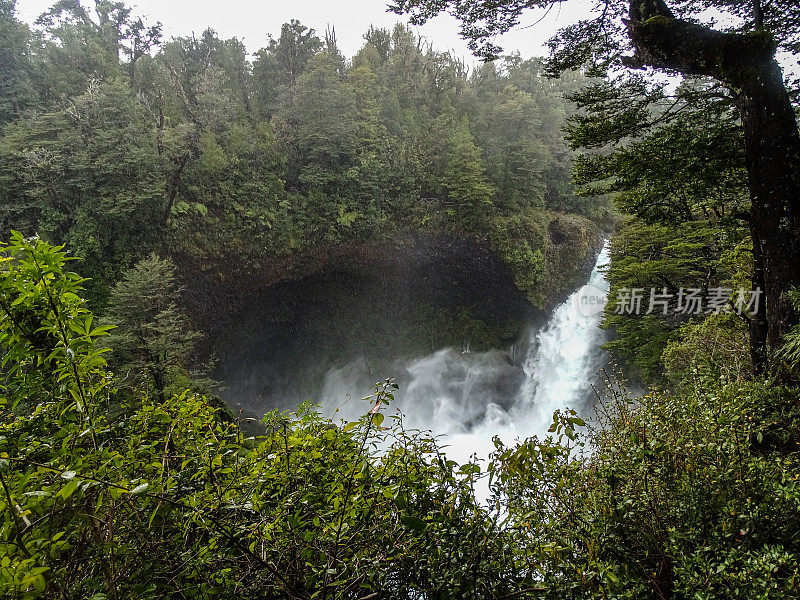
(470, 397)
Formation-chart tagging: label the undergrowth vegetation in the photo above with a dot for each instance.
(665, 496)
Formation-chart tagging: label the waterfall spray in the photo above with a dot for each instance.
(470, 397)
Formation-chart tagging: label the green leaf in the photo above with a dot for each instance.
(414, 523)
(139, 489)
(69, 489)
(469, 469)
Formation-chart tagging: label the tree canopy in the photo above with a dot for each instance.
(121, 144)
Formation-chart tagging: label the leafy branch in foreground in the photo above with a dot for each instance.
(662, 496)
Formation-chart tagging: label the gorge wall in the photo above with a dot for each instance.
(285, 323)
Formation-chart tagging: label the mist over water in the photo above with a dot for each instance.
(470, 397)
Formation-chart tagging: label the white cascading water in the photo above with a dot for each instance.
(470, 397)
(561, 365)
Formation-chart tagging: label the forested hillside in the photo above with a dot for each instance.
(705, 160)
(118, 143)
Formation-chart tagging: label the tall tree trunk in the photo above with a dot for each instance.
(159, 383)
(772, 152)
(746, 64)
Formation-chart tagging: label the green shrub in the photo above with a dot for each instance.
(690, 496)
(717, 346)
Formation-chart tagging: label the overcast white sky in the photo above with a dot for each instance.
(252, 20)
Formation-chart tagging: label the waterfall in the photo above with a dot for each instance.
(472, 396)
(564, 356)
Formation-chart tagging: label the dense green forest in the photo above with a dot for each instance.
(131, 164)
(118, 144)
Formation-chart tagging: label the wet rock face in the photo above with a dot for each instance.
(574, 244)
(381, 304)
(557, 232)
(280, 327)
(441, 271)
